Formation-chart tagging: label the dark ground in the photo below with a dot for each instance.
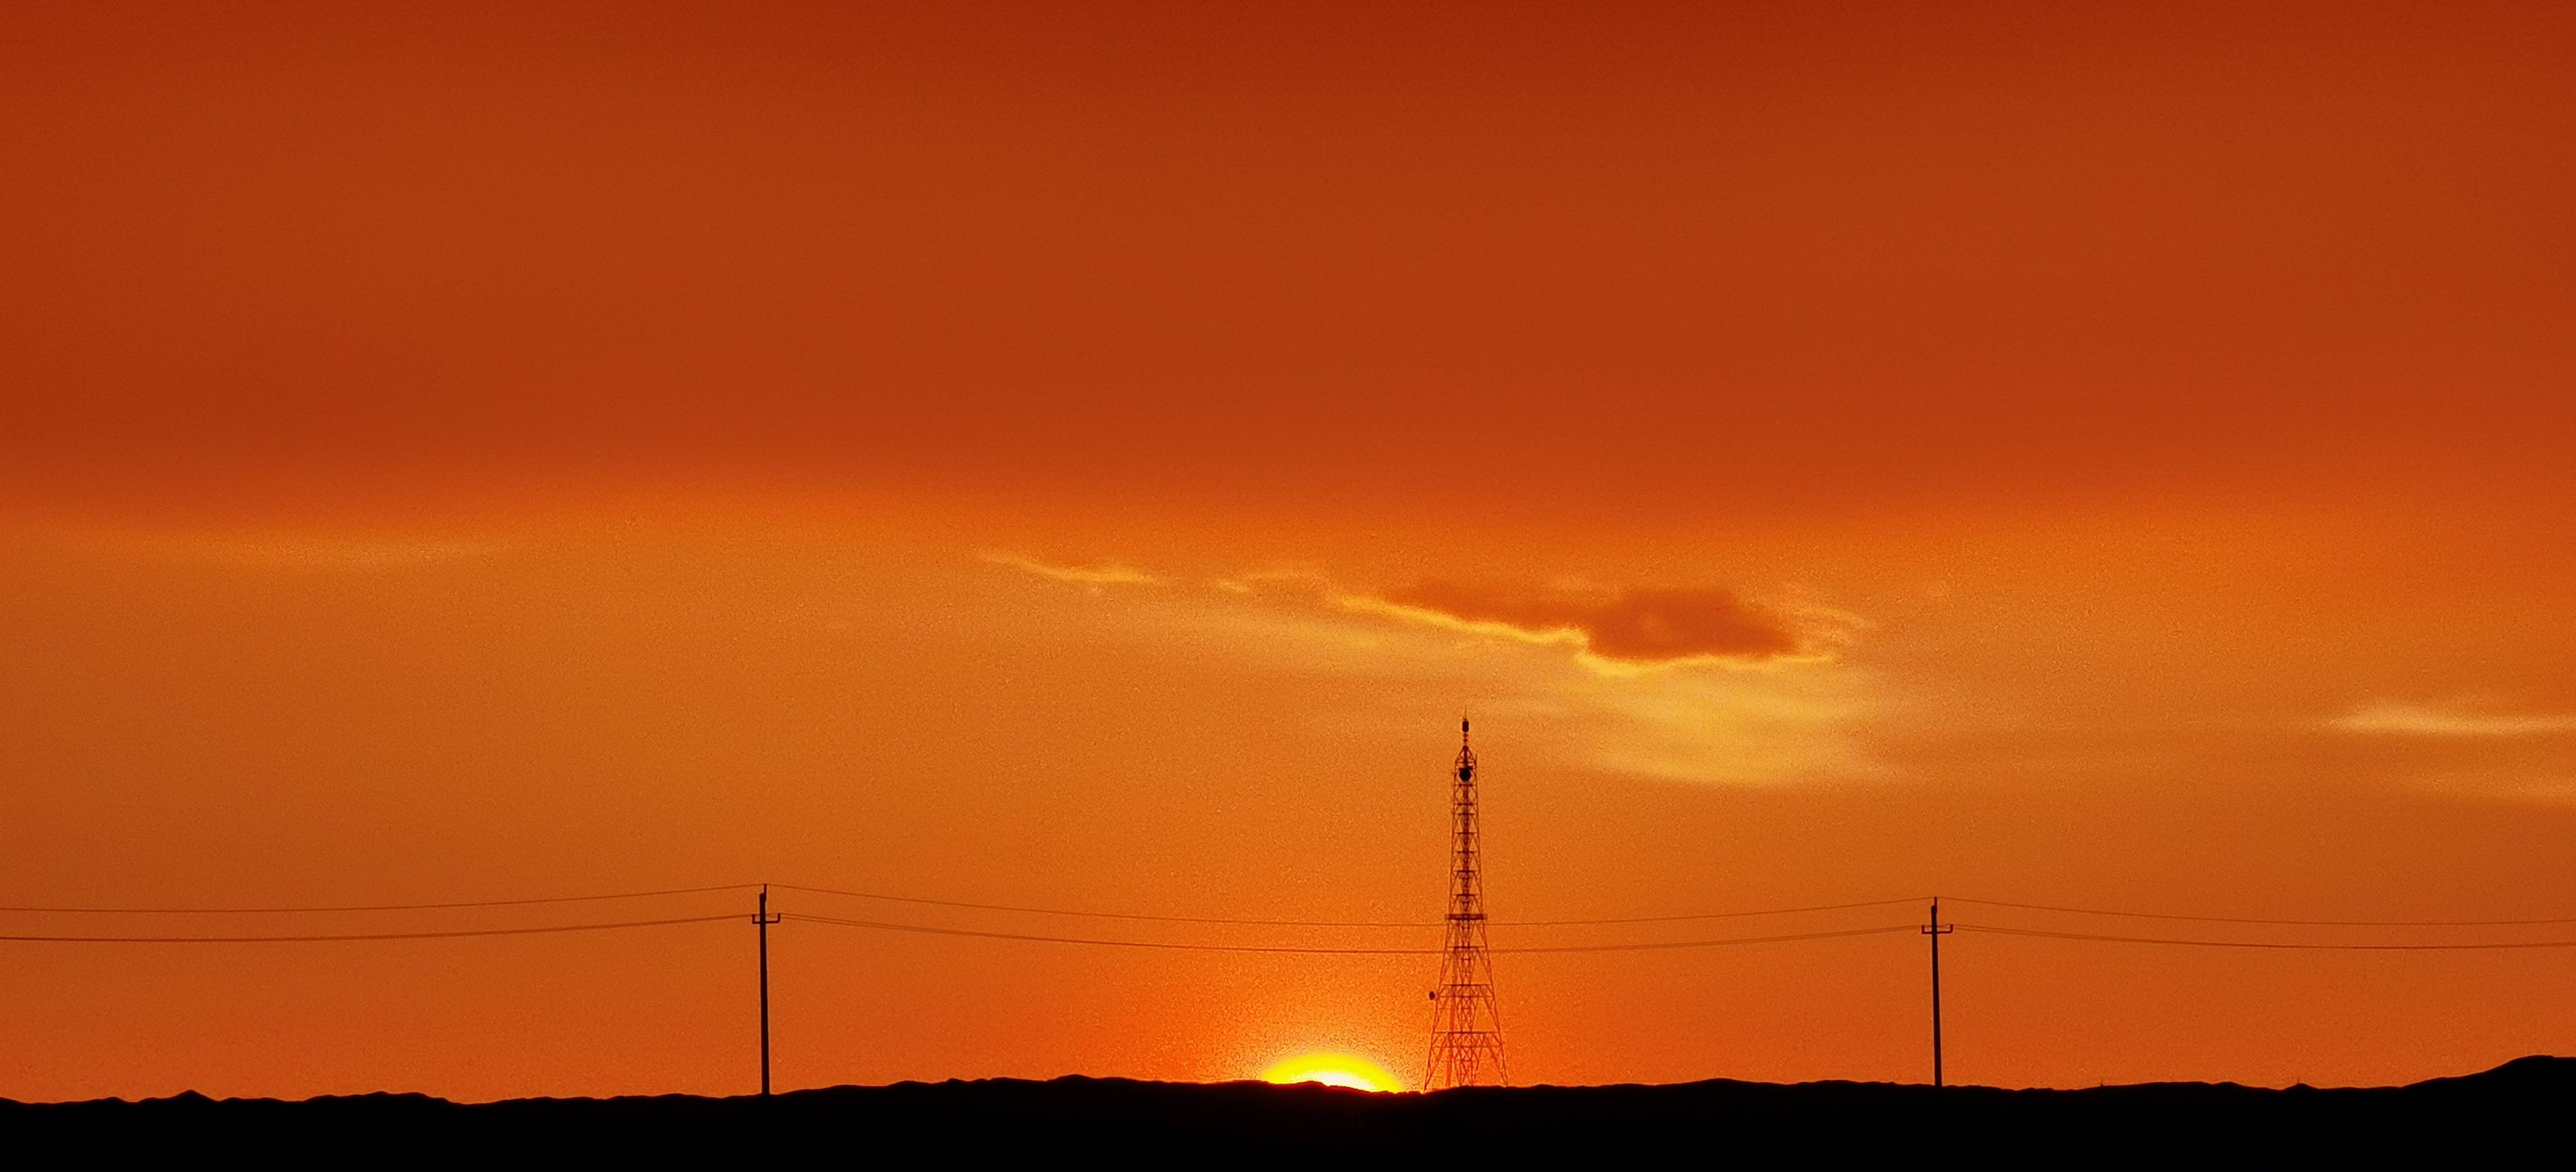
(2529, 1101)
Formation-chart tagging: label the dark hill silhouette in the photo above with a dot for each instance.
(2528, 1099)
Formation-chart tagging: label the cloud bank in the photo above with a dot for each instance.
(1643, 626)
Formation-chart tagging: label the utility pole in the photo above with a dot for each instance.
(1936, 930)
(764, 919)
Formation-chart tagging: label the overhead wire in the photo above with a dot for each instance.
(1174, 946)
(1659, 945)
(377, 907)
(1301, 923)
(1243, 921)
(1099, 915)
(2290, 945)
(2087, 911)
(337, 938)
(1177, 946)
(1776, 911)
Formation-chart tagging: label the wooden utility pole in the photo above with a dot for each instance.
(764, 919)
(1936, 930)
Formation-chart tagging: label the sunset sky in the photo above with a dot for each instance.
(1088, 456)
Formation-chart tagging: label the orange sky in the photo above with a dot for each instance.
(1087, 456)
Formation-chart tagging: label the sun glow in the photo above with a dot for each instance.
(1334, 1070)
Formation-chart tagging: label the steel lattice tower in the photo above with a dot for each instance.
(1466, 1028)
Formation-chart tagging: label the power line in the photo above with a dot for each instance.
(1296, 923)
(891, 926)
(375, 907)
(1776, 911)
(1623, 946)
(2088, 911)
(1149, 917)
(2291, 945)
(1659, 945)
(1170, 946)
(334, 939)
(1096, 915)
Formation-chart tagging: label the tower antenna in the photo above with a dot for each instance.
(1466, 1027)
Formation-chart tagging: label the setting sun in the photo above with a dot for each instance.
(1334, 1070)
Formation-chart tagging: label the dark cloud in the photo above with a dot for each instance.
(1638, 625)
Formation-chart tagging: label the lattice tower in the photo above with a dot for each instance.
(1466, 1028)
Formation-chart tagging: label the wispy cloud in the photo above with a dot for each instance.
(1615, 628)
(1610, 629)
(2453, 720)
(1096, 574)
(1697, 722)
(1645, 683)
(1731, 728)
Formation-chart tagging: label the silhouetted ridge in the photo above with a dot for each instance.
(2524, 1099)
